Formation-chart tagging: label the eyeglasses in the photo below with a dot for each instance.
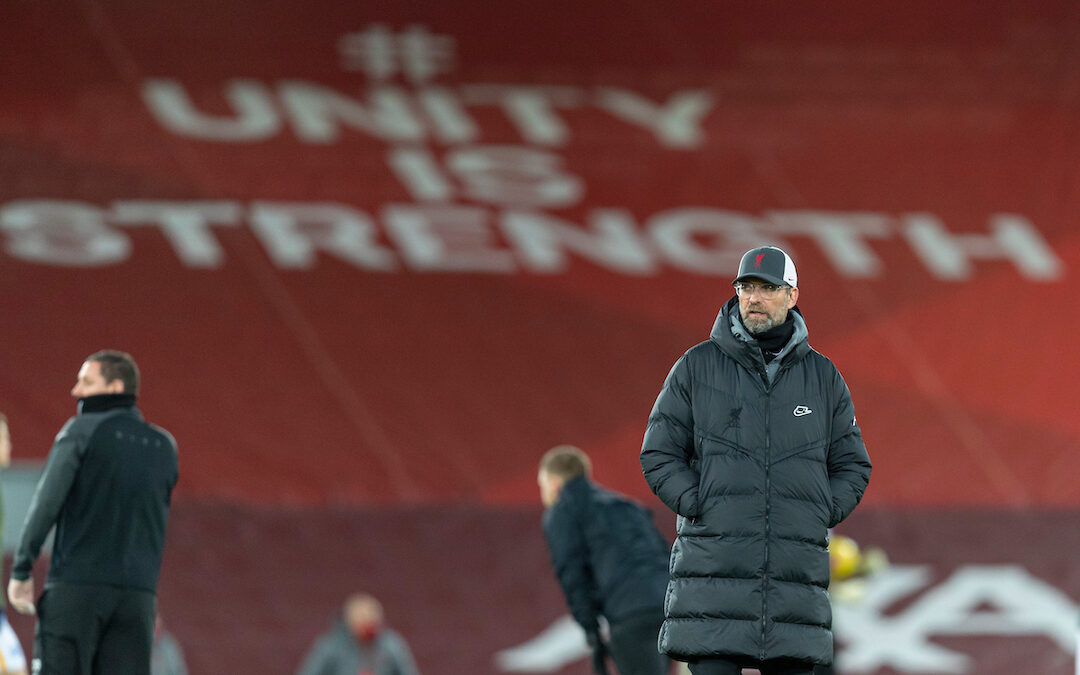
(767, 291)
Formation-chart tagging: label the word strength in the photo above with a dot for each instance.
(432, 238)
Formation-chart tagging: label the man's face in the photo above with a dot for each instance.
(91, 382)
(761, 311)
(5, 442)
(550, 485)
(363, 615)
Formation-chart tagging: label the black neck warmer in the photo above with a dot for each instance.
(103, 402)
(773, 340)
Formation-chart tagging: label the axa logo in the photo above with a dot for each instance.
(801, 410)
(1004, 601)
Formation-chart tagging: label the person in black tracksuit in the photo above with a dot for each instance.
(609, 559)
(106, 487)
(753, 442)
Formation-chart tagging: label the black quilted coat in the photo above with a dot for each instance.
(758, 461)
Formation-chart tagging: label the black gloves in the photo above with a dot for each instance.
(599, 653)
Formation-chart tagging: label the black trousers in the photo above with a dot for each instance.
(633, 645)
(94, 630)
(719, 666)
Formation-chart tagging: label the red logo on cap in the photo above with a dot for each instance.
(757, 259)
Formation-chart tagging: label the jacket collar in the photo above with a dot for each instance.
(104, 402)
(732, 337)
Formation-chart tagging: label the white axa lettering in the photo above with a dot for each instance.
(560, 644)
(449, 237)
(1005, 601)
(975, 600)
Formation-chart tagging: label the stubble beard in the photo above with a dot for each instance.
(755, 325)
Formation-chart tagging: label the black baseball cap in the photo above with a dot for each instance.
(768, 263)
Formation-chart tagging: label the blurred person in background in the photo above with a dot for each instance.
(12, 657)
(106, 486)
(359, 643)
(850, 568)
(753, 442)
(609, 559)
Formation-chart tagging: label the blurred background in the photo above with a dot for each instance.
(374, 259)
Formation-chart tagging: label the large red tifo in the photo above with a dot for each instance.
(419, 253)
(379, 257)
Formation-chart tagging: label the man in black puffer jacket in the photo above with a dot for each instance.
(753, 443)
(609, 559)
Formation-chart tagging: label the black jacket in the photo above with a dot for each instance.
(608, 555)
(106, 486)
(758, 461)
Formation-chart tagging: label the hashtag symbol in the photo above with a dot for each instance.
(414, 53)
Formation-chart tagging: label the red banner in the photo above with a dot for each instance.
(383, 254)
(379, 257)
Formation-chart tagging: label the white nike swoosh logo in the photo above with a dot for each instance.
(801, 410)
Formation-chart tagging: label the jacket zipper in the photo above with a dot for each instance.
(768, 510)
(768, 500)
